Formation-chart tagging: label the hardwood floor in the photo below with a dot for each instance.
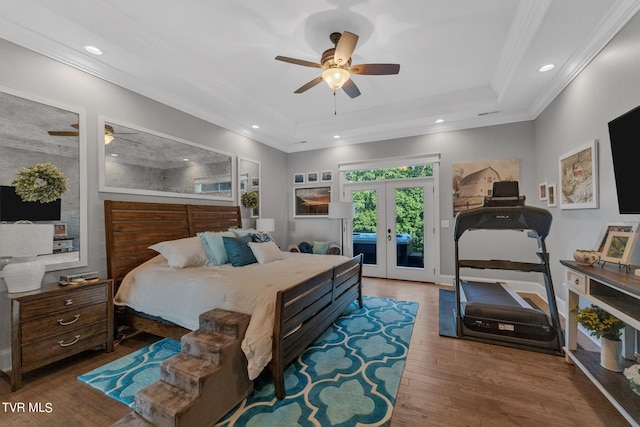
(446, 382)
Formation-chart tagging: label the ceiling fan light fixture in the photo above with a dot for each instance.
(335, 77)
(108, 134)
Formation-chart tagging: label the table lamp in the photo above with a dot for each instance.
(23, 243)
(265, 224)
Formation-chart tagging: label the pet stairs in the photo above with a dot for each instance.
(201, 384)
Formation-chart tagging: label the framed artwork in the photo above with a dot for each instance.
(613, 226)
(326, 176)
(312, 177)
(551, 195)
(542, 191)
(298, 178)
(255, 181)
(473, 181)
(619, 247)
(311, 202)
(59, 230)
(579, 177)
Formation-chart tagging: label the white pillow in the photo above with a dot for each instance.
(187, 252)
(266, 252)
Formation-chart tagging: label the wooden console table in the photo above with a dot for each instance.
(617, 292)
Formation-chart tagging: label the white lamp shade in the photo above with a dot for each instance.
(341, 210)
(25, 240)
(265, 224)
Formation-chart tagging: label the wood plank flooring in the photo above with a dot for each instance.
(446, 382)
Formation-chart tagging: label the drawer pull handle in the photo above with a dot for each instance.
(68, 302)
(61, 343)
(577, 281)
(61, 322)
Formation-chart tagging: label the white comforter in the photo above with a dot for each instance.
(180, 295)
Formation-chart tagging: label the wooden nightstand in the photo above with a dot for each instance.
(55, 322)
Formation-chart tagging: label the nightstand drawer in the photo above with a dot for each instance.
(64, 301)
(46, 351)
(576, 281)
(62, 322)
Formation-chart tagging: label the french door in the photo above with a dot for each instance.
(394, 228)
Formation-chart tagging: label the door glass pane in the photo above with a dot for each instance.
(409, 217)
(365, 224)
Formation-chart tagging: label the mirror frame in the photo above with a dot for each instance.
(82, 178)
(102, 178)
(242, 209)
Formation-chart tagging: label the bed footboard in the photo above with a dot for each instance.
(305, 310)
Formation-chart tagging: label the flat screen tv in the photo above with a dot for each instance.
(13, 208)
(624, 133)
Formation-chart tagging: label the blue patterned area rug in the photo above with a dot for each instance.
(348, 376)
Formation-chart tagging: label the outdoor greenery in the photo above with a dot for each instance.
(409, 202)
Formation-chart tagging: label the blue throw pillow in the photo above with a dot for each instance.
(238, 250)
(261, 237)
(321, 248)
(214, 246)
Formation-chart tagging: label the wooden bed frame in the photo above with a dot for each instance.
(303, 311)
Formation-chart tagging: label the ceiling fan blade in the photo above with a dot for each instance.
(298, 62)
(63, 133)
(309, 85)
(345, 47)
(375, 69)
(351, 89)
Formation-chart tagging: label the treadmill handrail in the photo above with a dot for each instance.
(504, 218)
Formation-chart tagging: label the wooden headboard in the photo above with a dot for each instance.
(131, 227)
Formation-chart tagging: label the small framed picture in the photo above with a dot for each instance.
(542, 191)
(59, 230)
(326, 176)
(255, 181)
(619, 247)
(298, 178)
(551, 195)
(312, 177)
(579, 177)
(613, 226)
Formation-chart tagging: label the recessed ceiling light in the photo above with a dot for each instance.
(546, 68)
(186, 160)
(336, 136)
(92, 49)
(439, 120)
(114, 155)
(255, 126)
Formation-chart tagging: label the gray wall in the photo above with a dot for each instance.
(607, 88)
(37, 75)
(494, 142)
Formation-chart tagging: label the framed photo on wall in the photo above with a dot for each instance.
(579, 177)
(551, 195)
(311, 202)
(312, 177)
(326, 176)
(298, 178)
(542, 191)
(619, 247)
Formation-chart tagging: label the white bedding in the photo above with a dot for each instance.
(179, 295)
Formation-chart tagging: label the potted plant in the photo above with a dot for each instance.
(603, 325)
(42, 183)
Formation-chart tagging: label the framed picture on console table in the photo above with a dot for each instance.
(579, 178)
(619, 247)
(613, 226)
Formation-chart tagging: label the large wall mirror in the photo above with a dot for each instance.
(249, 180)
(140, 161)
(35, 131)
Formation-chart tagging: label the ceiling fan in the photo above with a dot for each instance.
(336, 63)
(109, 134)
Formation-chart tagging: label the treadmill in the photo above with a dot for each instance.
(488, 311)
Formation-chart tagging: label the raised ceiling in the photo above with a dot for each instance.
(469, 62)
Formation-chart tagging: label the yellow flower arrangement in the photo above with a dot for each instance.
(599, 322)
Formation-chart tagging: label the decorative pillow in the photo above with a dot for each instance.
(261, 237)
(266, 252)
(238, 251)
(305, 248)
(320, 248)
(241, 232)
(214, 246)
(180, 253)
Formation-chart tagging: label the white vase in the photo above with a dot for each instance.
(611, 355)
